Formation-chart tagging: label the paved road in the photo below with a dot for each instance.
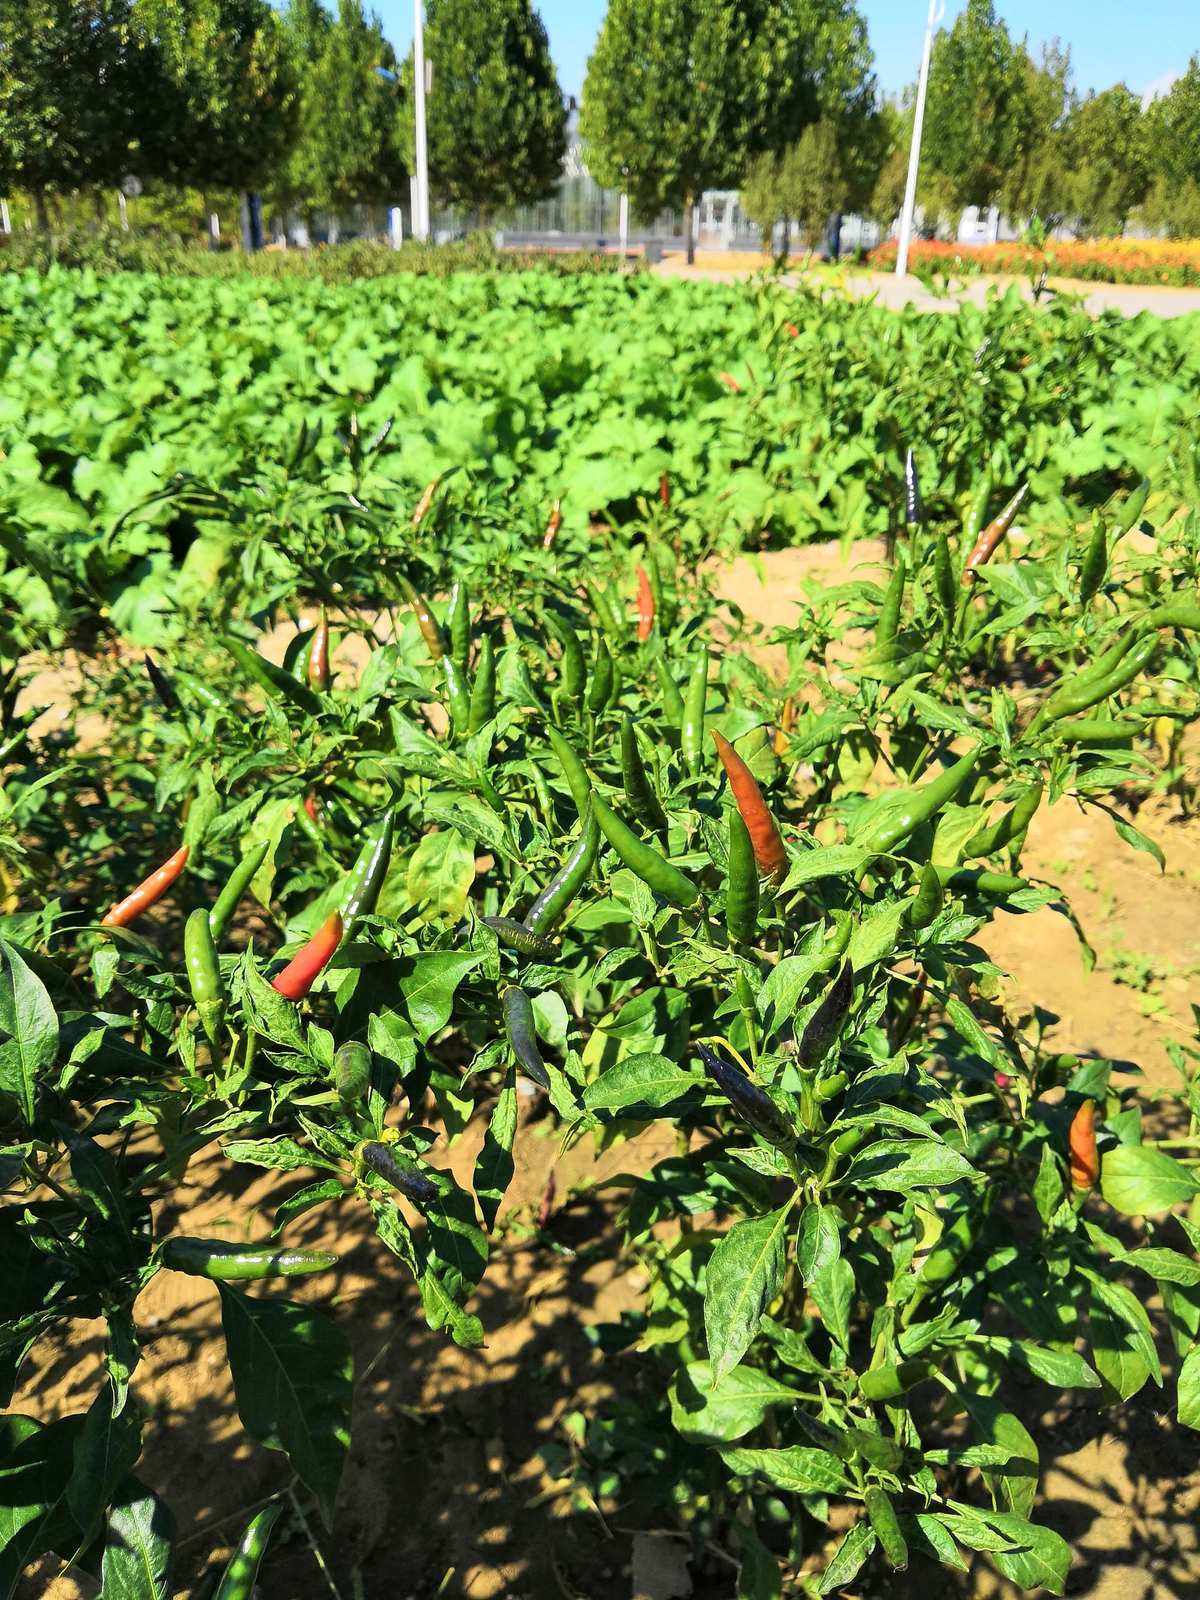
(895, 292)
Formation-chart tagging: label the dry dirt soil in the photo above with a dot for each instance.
(445, 1492)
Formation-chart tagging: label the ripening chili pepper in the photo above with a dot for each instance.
(645, 604)
(401, 1172)
(553, 524)
(977, 509)
(764, 833)
(751, 1103)
(235, 1263)
(691, 728)
(741, 888)
(787, 720)
(943, 579)
(730, 382)
(989, 540)
(303, 970)
(423, 504)
(520, 936)
(927, 902)
(240, 1576)
(881, 1514)
(888, 625)
(920, 803)
(600, 687)
(460, 626)
(1081, 1144)
(426, 621)
(352, 1072)
(1094, 566)
(312, 809)
(639, 790)
(274, 680)
(643, 860)
(238, 882)
(672, 699)
(457, 696)
(573, 770)
(204, 973)
(147, 892)
(482, 706)
(318, 654)
(792, 331)
(825, 1024)
(664, 489)
(914, 506)
(366, 877)
(522, 1035)
(572, 668)
(161, 683)
(548, 908)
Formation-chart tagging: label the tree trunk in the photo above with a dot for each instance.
(252, 234)
(785, 239)
(39, 207)
(98, 204)
(835, 237)
(689, 234)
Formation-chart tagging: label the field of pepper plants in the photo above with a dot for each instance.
(485, 1019)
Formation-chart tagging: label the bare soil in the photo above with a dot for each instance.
(445, 1492)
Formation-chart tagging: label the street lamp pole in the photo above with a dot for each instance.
(421, 219)
(937, 10)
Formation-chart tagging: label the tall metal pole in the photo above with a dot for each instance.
(421, 220)
(937, 10)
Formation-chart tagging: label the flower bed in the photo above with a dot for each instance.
(1173, 262)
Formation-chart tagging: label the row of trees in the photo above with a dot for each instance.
(778, 97)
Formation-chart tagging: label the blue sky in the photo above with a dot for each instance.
(1110, 40)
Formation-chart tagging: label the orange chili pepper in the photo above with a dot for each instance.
(318, 655)
(787, 718)
(664, 489)
(426, 500)
(1081, 1143)
(143, 897)
(730, 382)
(769, 852)
(553, 524)
(989, 540)
(645, 604)
(310, 805)
(302, 971)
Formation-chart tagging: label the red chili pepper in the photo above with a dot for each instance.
(318, 655)
(988, 541)
(664, 489)
(792, 330)
(1081, 1143)
(302, 971)
(146, 893)
(311, 806)
(760, 824)
(553, 524)
(730, 382)
(645, 604)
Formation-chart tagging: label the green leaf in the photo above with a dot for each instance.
(1031, 1556)
(106, 1451)
(494, 1166)
(136, 1564)
(1139, 1180)
(442, 1310)
(1064, 1369)
(716, 1413)
(1164, 1264)
(903, 1164)
(281, 1155)
(430, 987)
(1189, 1389)
(819, 1241)
(649, 1080)
(992, 1424)
(440, 873)
(1115, 1353)
(833, 1292)
(292, 1377)
(28, 1016)
(1127, 1308)
(828, 861)
(36, 1464)
(742, 1278)
(801, 1469)
(849, 1558)
(876, 935)
(271, 1015)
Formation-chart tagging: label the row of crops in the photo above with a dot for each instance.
(509, 812)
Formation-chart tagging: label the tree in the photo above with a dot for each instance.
(682, 95)
(814, 184)
(496, 118)
(978, 117)
(1173, 140)
(350, 132)
(1038, 180)
(1109, 173)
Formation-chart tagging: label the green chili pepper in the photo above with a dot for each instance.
(977, 509)
(426, 621)
(1177, 613)
(204, 973)
(986, 882)
(235, 887)
(887, 1383)
(600, 686)
(366, 876)
(238, 1580)
(943, 579)
(235, 1263)
(914, 506)
(522, 1035)
(825, 1024)
(520, 936)
(572, 668)
(163, 687)
(277, 683)
(947, 1255)
(643, 860)
(672, 699)
(833, 1085)
(460, 627)
(204, 692)
(927, 902)
(1014, 823)
(483, 691)
(751, 1103)
(541, 791)
(1131, 508)
(882, 1516)
(848, 1141)
(573, 769)
(1094, 565)
(547, 910)
(836, 942)
(352, 1072)
(614, 691)
(606, 614)
(741, 890)
(1088, 690)
(457, 696)
(921, 803)
(639, 791)
(889, 616)
(1098, 731)
(402, 1172)
(691, 730)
